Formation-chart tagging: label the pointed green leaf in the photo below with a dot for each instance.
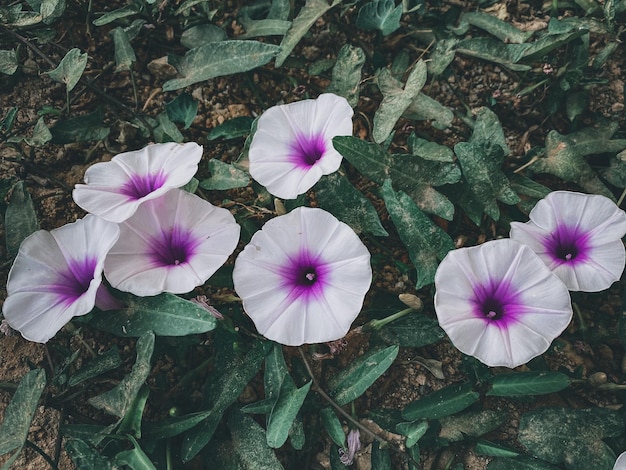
(134, 458)
(445, 402)
(337, 195)
(41, 134)
(105, 362)
(494, 50)
(396, 99)
(565, 156)
(572, 437)
(20, 218)
(413, 431)
(233, 128)
(18, 415)
(382, 15)
(219, 59)
(429, 150)
(548, 43)
(225, 176)
(8, 62)
(333, 426)
(85, 456)
(424, 108)
(413, 331)
(164, 314)
(426, 243)
(284, 413)
(308, 15)
(410, 174)
(202, 34)
(182, 109)
(225, 387)
(381, 460)
(353, 381)
(346, 79)
(249, 443)
(111, 16)
(261, 407)
(124, 53)
(118, 400)
(171, 427)
(527, 383)
(275, 373)
(504, 31)
(519, 463)
(471, 423)
(6, 123)
(524, 185)
(491, 449)
(70, 69)
(166, 130)
(266, 27)
(80, 129)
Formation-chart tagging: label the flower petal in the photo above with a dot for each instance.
(303, 277)
(620, 463)
(115, 189)
(499, 303)
(171, 244)
(292, 146)
(56, 276)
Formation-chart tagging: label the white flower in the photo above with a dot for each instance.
(303, 277)
(292, 146)
(499, 303)
(115, 189)
(57, 276)
(578, 236)
(171, 244)
(620, 463)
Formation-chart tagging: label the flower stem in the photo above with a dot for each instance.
(378, 324)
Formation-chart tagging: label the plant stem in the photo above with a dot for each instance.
(378, 324)
(45, 456)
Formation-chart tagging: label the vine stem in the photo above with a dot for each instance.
(315, 386)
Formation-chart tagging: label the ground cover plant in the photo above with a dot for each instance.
(312, 234)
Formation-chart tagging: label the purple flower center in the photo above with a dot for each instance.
(74, 282)
(307, 150)
(304, 276)
(567, 245)
(139, 186)
(496, 302)
(173, 247)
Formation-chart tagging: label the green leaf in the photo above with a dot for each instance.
(111, 16)
(20, 218)
(353, 381)
(382, 15)
(381, 460)
(6, 123)
(519, 463)
(426, 243)
(134, 458)
(565, 156)
(171, 427)
(442, 56)
(524, 185)
(232, 129)
(41, 134)
(445, 402)
(70, 69)
(105, 362)
(429, 150)
(396, 99)
(504, 31)
(249, 443)
(424, 108)
(182, 109)
(224, 388)
(412, 331)
(413, 431)
(219, 59)
(491, 449)
(119, 400)
(51, 10)
(131, 422)
(346, 78)
(333, 426)
(337, 195)
(275, 373)
(548, 43)
(202, 34)
(85, 456)
(308, 15)
(527, 383)
(164, 314)
(413, 175)
(494, 50)
(225, 176)
(8, 62)
(18, 415)
(284, 413)
(266, 27)
(166, 130)
(615, 173)
(80, 129)
(470, 424)
(124, 53)
(572, 437)
(261, 407)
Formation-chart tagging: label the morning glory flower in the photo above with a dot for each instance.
(115, 189)
(171, 244)
(578, 236)
(500, 303)
(292, 146)
(303, 277)
(57, 275)
(346, 456)
(620, 463)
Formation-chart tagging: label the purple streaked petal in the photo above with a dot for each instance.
(296, 285)
(171, 244)
(115, 189)
(292, 146)
(499, 303)
(56, 275)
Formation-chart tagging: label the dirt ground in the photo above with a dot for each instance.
(50, 173)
